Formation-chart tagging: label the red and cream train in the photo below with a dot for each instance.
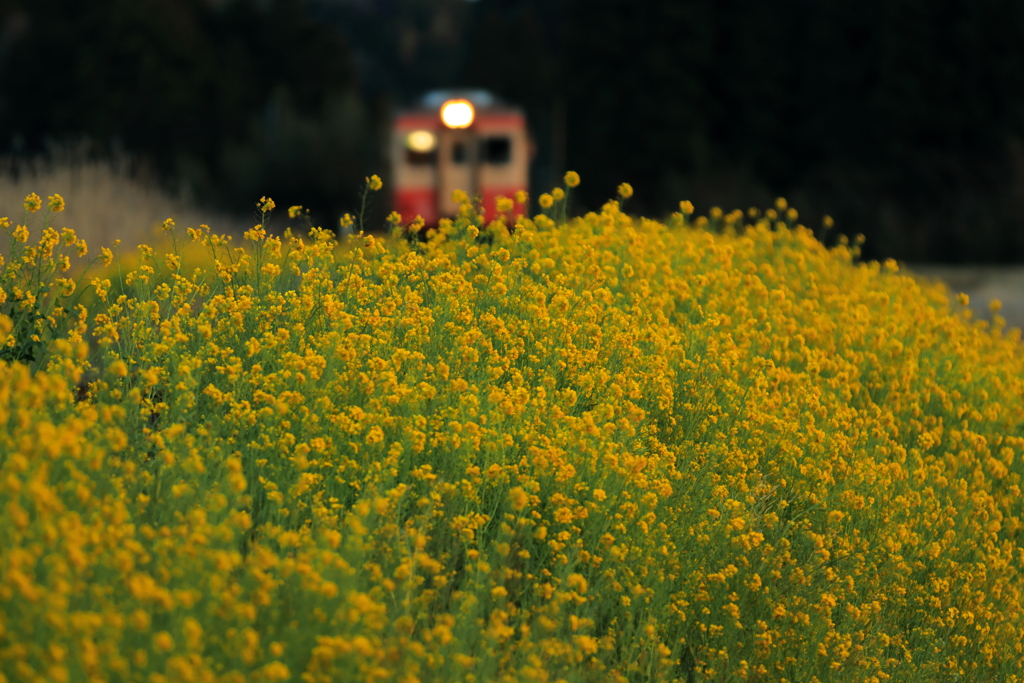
(457, 141)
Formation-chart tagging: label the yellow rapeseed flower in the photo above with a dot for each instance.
(275, 671)
(625, 190)
(572, 179)
(686, 207)
(163, 641)
(577, 582)
(56, 203)
(33, 202)
(139, 619)
(503, 204)
(546, 201)
(518, 498)
(374, 183)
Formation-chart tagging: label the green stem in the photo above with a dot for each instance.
(362, 207)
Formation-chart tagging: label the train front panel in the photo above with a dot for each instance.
(487, 157)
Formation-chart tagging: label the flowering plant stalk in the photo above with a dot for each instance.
(36, 297)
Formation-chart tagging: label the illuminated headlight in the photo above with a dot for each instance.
(422, 141)
(457, 113)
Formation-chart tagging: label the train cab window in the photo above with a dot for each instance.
(496, 149)
(420, 158)
(459, 152)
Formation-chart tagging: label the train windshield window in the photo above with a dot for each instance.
(459, 153)
(496, 149)
(420, 158)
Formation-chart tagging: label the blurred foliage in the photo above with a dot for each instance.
(237, 99)
(903, 119)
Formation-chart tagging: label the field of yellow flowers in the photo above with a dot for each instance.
(590, 449)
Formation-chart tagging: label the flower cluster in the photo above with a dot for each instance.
(604, 450)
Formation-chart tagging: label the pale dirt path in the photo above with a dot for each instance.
(982, 284)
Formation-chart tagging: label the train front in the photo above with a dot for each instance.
(457, 141)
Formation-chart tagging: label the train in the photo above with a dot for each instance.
(457, 140)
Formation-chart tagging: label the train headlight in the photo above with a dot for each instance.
(422, 141)
(457, 113)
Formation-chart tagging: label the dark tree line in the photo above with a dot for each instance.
(904, 119)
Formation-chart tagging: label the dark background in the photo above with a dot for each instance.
(902, 119)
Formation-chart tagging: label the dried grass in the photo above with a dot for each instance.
(106, 199)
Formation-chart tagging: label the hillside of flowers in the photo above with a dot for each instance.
(552, 449)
